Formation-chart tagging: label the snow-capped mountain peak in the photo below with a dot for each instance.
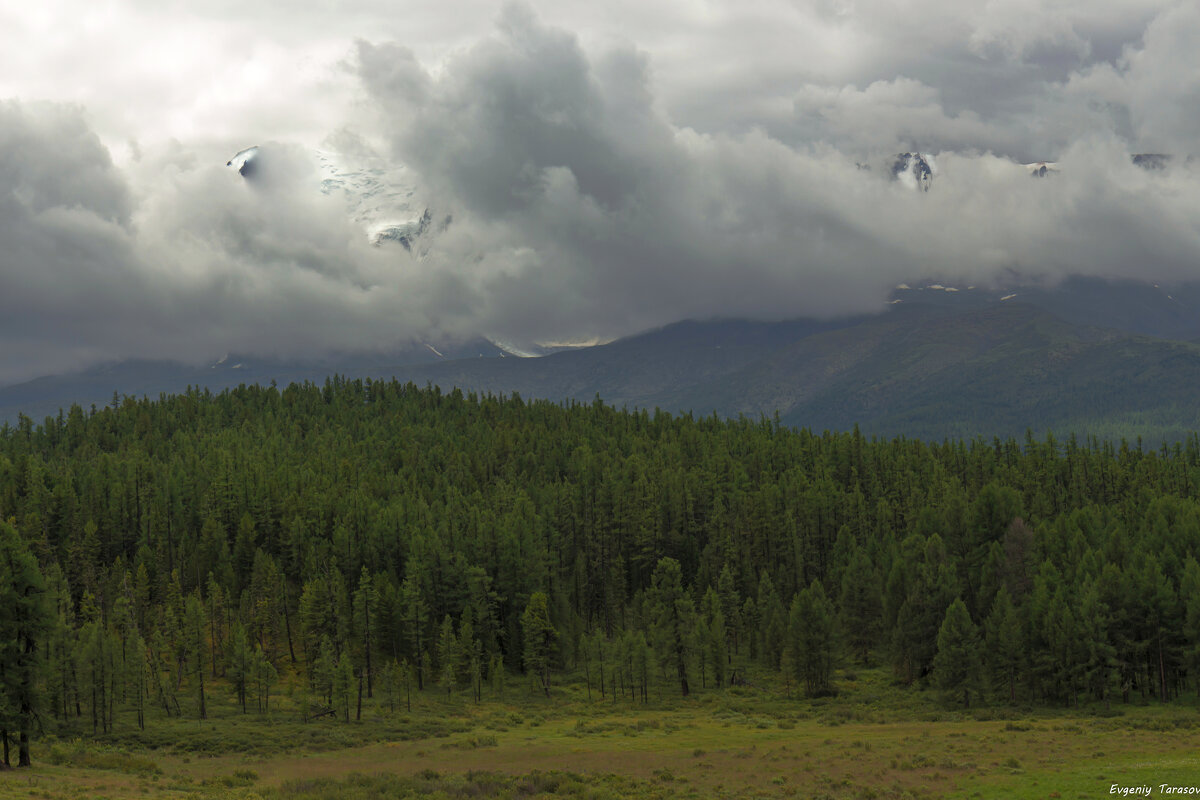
(381, 197)
(914, 170)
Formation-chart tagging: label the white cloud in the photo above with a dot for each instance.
(689, 159)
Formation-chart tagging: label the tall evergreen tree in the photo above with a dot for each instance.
(861, 605)
(1005, 645)
(24, 625)
(364, 601)
(194, 625)
(674, 620)
(239, 663)
(956, 667)
(415, 614)
(540, 638)
(812, 636)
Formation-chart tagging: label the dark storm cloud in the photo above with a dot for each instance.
(591, 211)
(596, 188)
(198, 263)
(64, 232)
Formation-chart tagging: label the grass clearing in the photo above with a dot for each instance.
(872, 741)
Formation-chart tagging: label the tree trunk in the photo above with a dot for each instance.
(203, 707)
(367, 620)
(681, 669)
(212, 630)
(1162, 671)
(358, 713)
(4, 739)
(287, 624)
(23, 742)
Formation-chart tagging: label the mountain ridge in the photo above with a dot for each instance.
(940, 362)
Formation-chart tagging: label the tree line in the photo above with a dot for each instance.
(378, 539)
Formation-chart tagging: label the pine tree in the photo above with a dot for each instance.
(674, 620)
(496, 675)
(641, 656)
(239, 663)
(956, 667)
(812, 636)
(406, 681)
(389, 685)
(321, 670)
(861, 605)
(24, 625)
(714, 639)
(193, 628)
(1099, 656)
(265, 676)
(415, 614)
(1190, 590)
(1005, 644)
(448, 653)
(364, 601)
(216, 616)
(343, 685)
(137, 677)
(772, 621)
(540, 639)
(731, 607)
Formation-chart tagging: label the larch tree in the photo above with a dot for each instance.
(24, 623)
(194, 624)
(1004, 644)
(364, 601)
(956, 666)
(812, 634)
(861, 605)
(674, 620)
(540, 639)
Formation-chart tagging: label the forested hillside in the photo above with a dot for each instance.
(397, 539)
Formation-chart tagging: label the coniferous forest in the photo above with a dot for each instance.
(372, 539)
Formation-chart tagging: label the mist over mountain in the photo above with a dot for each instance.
(1111, 359)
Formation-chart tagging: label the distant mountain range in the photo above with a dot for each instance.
(138, 377)
(1113, 359)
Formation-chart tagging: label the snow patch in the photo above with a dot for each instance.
(508, 348)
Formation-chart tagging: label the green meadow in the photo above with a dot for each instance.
(873, 740)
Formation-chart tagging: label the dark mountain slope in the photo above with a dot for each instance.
(996, 371)
(44, 397)
(918, 370)
(945, 368)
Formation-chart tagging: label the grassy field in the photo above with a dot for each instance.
(872, 741)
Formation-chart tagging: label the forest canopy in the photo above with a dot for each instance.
(394, 536)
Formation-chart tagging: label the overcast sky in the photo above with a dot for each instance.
(606, 167)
